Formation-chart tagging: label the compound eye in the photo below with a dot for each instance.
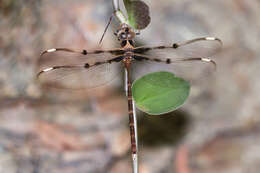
(123, 36)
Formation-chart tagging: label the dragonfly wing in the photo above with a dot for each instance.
(200, 47)
(66, 68)
(192, 69)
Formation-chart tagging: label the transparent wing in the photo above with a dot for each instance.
(192, 69)
(200, 47)
(66, 68)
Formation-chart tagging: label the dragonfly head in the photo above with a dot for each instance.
(125, 34)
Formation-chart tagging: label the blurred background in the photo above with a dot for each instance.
(47, 130)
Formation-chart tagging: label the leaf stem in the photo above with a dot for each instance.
(118, 13)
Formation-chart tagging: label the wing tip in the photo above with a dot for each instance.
(209, 60)
(43, 71)
(214, 39)
(48, 51)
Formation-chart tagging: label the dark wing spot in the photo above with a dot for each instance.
(175, 45)
(139, 58)
(117, 59)
(117, 52)
(98, 51)
(56, 67)
(84, 52)
(86, 65)
(157, 60)
(160, 47)
(142, 50)
(98, 63)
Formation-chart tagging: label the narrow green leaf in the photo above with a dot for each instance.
(160, 92)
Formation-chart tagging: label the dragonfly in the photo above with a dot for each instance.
(69, 68)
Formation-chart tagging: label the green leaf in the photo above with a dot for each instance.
(138, 13)
(160, 92)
